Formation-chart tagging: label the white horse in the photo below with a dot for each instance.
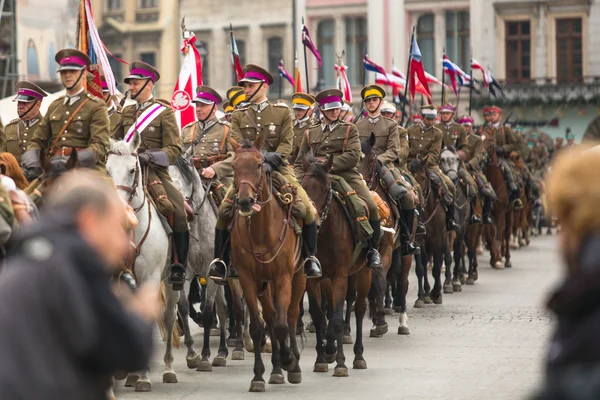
(152, 244)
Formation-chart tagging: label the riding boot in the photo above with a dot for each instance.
(373, 256)
(475, 218)
(181, 242)
(312, 266)
(406, 230)
(421, 231)
(218, 267)
(514, 199)
(487, 211)
(451, 224)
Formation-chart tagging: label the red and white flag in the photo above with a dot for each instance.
(476, 65)
(190, 77)
(342, 81)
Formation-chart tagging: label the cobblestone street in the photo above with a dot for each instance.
(487, 342)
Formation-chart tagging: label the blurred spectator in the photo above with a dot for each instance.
(64, 331)
(592, 132)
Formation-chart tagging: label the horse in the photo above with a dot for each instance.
(435, 242)
(52, 169)
(336, 258)
(202, 229)
(450, 165)
(498, 233)
(152, 243)
(13, 170)
(396, 270)
(265, 250)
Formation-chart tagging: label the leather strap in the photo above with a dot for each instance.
(346, 138)
(192, 130)
(225, 135)
(247, 114)
(64, 128)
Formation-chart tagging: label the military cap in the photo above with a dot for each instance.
(207, 95)
(448, 108)
(28, 92)
(237, 98)
(227, 108)
(233, 91)
(72, 60)
(417, 118)
(142, 70)
(494, 109)
(428, 111)
(329, 99)
(255, 74)
(465, 120)
(347, 106)
(388, 107)
(105, 84)
(372, 91)
(302, 101)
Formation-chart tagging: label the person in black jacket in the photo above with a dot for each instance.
(64, 330)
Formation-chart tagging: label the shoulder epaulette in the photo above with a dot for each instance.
(190, 124)
(281, 105)
(164, 102)
(223, 122)
(14, 121)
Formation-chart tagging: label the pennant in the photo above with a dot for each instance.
(343, 83)
(297, 77)
(235, 57)
(285, 74)
(476, 65)
(397, 72)
(190, 77)
(397, 83)
(493, 85)
(416, 69)
(307, 41)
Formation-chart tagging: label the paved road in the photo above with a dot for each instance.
(487, 342)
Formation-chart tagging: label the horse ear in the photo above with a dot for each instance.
(259, 142)
(329, 164)
(234, 145)
(73, 159)
(305, 162)
(372, 139)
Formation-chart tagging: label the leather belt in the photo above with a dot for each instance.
(66, 151)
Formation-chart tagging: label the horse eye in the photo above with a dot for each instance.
(132, 171)
(258, 166)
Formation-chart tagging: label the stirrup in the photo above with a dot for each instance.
(177, 276)
(215, 266)
(374, 258)
(312, 267)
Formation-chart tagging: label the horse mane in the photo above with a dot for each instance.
(187, 173)
(451, 149)
(120, 148)
(13, 170)
(416, 166)
(365, 147)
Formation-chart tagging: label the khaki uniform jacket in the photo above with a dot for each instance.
(404, 149)
(17, 135)
(114, 116)
(454, 135)
(475, 156)
(501, 135)
(89, 128)
(387, 142)
(426, 143)
(208, 145)
(162, 133)
(299, 130)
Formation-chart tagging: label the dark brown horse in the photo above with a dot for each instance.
(335, 249)
(264, 249)
(52, 169)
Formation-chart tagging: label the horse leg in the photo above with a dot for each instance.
(298, 288)
(436, 292)
(230, 299)
(363, 278)
(458, 253)
(339, 287)
(214, 292)
(317, 316)
(170, 315)
(387, 302)
(350, 303)
(270, 317)
(300, 323)
(238, 314)
(406, 263)
(451, 237)
(376, 294)
(257, 331)
(192, 358)
(508, 229)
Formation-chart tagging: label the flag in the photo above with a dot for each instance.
(449, 69)
(190, 77)
(397, 72)
(371, 66)
(432, 79)
(297, 78)
(342, 81)
(476, 65)
(396, 82)
(307, 41)
(416, 69)
(494, 84)
(235, 57)
(285, 74)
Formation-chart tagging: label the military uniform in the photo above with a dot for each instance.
(114, 116)
(539, 157)
(304, 102)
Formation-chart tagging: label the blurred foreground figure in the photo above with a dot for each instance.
(573, 359)
(65, 332)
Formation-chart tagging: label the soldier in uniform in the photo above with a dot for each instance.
(78, 121)
(454, 135)
(227, 110)
(275, 123)
(426, 142)
(341, 139)
(154, 120)
(570, 138)
(212, 154)
(387, 148)
(303, 105)
(346, 114)
(474, 161)
(539, 154)
(237, 97)
(114, 109)
(505, 142)
(19, 132)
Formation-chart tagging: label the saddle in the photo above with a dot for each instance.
(355, 209)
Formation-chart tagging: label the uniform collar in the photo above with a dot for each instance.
(207, 124)
(259, 107)
(329, 127)
(301, 123)
(494, 125)
(112, 108)
(70, 100)
(375, 119)
(141, 106)
(448, 125)
(32, 121)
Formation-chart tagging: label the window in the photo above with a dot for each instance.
(426, 41)
(326, 46)
(275, 52)
(33, 64)
(241, 45)
(518, 51)
(569, 54)
(146, 3)
(203, 51)
(113, 5)
(458, 40)
(117, 68)
(52, 67)
(148, 58)
(356, 48)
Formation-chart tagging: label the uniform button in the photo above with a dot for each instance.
(202, 148)
(67, 113)
(66, 122)
(258, 125)
(64, 138)
(247, 126)
(24, 134)
(257, 117)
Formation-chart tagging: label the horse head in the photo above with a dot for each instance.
(369, 164)
(316, 180)
(249, 176)
(124, 168)
(450, 162)
(490, 150)
(55, 167)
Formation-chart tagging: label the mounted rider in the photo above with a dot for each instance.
(154, 120)
(474, 161)
(114, 108)
(77, 121)
(455, 135)
(388, 149)
(504, 142)
(426, 144)
(212, 154)
(273, 121)
(303, 105)
(341, 139)
(227, 110)
(19, 132)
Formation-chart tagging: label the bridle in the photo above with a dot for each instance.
(324, 213)
(132, 190)
(256, 189)
(372, 181)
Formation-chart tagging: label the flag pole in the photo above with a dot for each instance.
(472, 83)
(280, 78)
(408, 75)
(443, 80)
(234, 77)
(305, 60)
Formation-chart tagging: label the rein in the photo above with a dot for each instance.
(437, 205)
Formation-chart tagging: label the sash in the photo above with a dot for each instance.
(144, 120)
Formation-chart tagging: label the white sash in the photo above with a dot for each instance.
(144, 120)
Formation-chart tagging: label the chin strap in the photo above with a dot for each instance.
(256, 91)
(141, 90)
(209, 114)
(29, 109)
(77, 81)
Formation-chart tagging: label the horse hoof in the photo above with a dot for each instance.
(169, 377)
(193, 362)
(508, 264)
(523, 243)
(359, 364)
(382, 329)
(276, 379)
(231, 342)
(470, 281)
(403, 330)
(397, 309)
(340, 372)
(388, 311)
(257, 386)
(447, 290)
(204, 366)
(427, 300)
(499, 265)
(475, 275)
(330, 358)
(419, 303)
(294, 377)
(268, 348)
(143, 386)
(321, 367)
(120, 375)
(437, 300)
(457, 287)
(131, 380)
(311, 328)
(219, 361)
(291, 366)
(348, 339)
(238, 355)
(373, 333)
(462, 280)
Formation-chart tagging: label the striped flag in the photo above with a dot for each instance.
(476, 65)
(307, 41)
(235, 57)
(190, 77)
(342, 81)
(416, 69)
(284, 74)
(297, 78)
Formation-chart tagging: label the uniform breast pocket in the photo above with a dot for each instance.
(381, 139)
(248, 133)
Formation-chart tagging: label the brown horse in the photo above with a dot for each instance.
(523, 218)
(335, 247)
(264, 249)
(498, 234)
(13, 170)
